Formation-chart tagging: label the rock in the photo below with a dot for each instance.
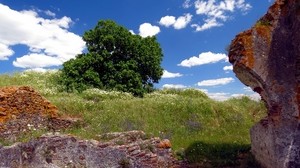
(68, 151)
(22, 109)
(164, 144)
(267, 58)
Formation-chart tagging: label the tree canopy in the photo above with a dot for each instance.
(116, 59)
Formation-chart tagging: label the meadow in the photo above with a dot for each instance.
(202, 131)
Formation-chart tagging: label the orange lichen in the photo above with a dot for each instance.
(264, 31)
(164, 144)
(243, 48)
(17, 100)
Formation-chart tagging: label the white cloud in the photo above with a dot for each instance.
(41, 70)
(219, 96)
(203, 58)
(44, 37)
(254, 96)
(132, 32)
(247, 89)
(167, 21)
(187, 4)
(179, 23)
(49, 13)
(243, 6)
(225, 96)
(228, 68)
(214, 82)
(209, 23)
(250, 93)
(167, 74)
(146, 29)
(174, 86)
(217, 12)
(238, 95)
(37, 61)
(182, 21)
(5, 52)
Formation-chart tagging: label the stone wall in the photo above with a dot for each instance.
(128, 149)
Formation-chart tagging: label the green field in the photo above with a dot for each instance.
(203, 131)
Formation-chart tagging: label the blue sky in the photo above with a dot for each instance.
(193, 34)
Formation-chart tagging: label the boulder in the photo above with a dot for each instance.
(267, 58)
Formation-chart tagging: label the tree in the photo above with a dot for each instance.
(116, 59)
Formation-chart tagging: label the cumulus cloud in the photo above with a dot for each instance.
(47, 38)
(179, 23)
(217, 12)
(36, 61)
(132, 32)
(174, 86)
(182, 21)
(146, 29)
(214, 82)
(167, 74)
(167, 21)
(5, 52)
(203, 58)
(228, 68)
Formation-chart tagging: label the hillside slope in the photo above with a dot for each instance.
(201, 130)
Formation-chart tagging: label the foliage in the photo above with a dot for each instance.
(116, 60)
(201, 130)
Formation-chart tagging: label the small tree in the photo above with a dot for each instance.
(116, 59)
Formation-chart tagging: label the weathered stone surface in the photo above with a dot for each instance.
(129, 149)
(22, 109)
(267, 58)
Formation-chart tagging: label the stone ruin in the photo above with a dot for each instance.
(23, 110)
(126, 149)
(267, 58)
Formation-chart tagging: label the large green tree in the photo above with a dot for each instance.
(116, 59)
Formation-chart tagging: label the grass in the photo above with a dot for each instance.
(203, 131)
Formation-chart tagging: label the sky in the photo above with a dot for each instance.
(193, 34)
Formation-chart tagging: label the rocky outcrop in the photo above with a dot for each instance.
(128, 149)
(22, 109)
(267, 58)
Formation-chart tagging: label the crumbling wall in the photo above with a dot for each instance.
(22, 109)
(125, 149)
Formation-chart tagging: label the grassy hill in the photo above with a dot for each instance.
(202, 131)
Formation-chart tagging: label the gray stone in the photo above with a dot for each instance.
(267, 58)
